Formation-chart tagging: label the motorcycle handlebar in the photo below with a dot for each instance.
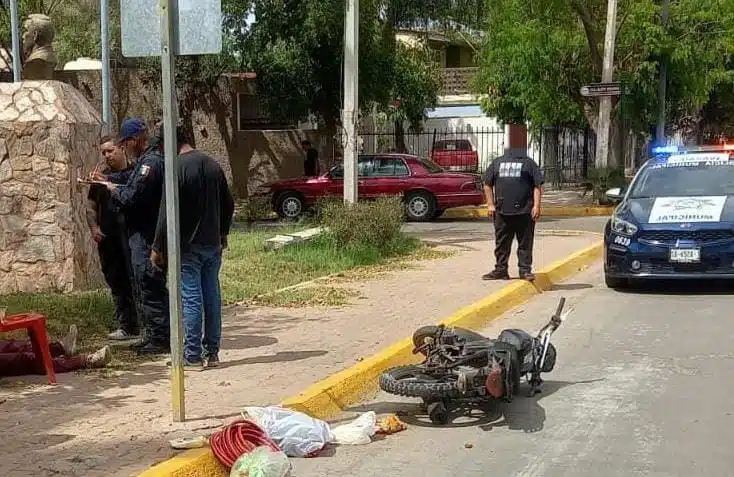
(561, 303)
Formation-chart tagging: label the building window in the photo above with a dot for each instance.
(251, 115)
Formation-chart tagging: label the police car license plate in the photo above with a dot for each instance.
(685, 255)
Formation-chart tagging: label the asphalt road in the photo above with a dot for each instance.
(642, 386)
(457, 231)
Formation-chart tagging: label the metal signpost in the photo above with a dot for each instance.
(15, 34)
(167, 28)
(104, 21)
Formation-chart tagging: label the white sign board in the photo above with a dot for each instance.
(695, 159)
(198, 24)
(669, 210)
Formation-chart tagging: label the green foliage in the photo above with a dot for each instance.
(373, 224)
(92, 312)
(416, 83)
(253, 208)
(537, 55)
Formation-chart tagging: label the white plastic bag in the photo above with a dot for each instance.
(261, 462)
(297, 434)
(357, 432)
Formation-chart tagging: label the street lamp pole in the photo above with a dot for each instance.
(351, 100)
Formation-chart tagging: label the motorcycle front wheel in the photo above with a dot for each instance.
(413, 381)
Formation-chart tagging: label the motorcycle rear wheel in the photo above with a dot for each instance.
(412, 381)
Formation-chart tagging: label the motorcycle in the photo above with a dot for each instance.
(461, 365)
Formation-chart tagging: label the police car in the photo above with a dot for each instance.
(675, 220)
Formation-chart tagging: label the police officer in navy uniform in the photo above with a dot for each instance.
(513, 187)
(107, 224)
(140, 200)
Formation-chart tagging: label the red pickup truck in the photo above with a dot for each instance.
(455, 155)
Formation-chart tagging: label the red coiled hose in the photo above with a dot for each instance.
(238, 438)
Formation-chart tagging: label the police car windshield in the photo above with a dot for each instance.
(684, 179)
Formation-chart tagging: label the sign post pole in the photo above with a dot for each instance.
(168, 28)
(15, 38)
(168, 73)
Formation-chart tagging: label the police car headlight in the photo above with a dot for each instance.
(623, 227)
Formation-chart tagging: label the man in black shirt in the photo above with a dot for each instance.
(311, 163)
(206, 208)
(513, 187)
(107, 225)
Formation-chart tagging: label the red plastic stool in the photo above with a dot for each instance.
(35, 323)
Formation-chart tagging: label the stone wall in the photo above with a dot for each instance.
(48, 139)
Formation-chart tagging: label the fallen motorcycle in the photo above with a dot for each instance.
(461, 365)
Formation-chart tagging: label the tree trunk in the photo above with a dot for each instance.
(400, 137)
(591, 112)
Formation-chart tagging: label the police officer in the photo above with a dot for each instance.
(140, 200)
(513, 187)
(107, 224)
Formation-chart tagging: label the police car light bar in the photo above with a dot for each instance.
(666, 150)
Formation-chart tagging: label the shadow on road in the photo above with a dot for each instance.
(570, 286)
(680, 287)
(522, 414)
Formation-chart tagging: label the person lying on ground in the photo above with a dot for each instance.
(18, 358)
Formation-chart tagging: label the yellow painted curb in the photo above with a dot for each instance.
(192, 463)
(326, 399)
(549, 211)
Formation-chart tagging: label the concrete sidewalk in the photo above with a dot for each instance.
(91, 425)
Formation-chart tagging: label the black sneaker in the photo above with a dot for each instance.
(528, 276)
(496, 275)
(153, 349)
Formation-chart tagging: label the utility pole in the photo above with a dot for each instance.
(104, 21)
(351, 100)
(660, 133)
(15, 35)
(605, 103)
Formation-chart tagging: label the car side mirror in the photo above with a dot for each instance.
(615, 194)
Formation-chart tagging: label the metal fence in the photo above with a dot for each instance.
(488, 143)
(566, 155)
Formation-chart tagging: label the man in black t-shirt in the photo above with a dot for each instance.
(311, 163)
(107, 224)
(206, 208)
(513, 187)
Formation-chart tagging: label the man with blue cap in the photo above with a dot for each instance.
(140, 201)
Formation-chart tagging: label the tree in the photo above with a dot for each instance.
(538, 54)
(295, 48)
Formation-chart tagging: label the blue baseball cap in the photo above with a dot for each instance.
(131, 128)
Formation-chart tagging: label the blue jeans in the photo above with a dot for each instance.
(200, 295)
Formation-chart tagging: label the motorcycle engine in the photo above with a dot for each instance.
(466, 379)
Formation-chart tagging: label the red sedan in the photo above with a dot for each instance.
(428, 190)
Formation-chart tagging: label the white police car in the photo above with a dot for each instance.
(675, 220)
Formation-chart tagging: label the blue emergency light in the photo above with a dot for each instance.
(666, 149)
